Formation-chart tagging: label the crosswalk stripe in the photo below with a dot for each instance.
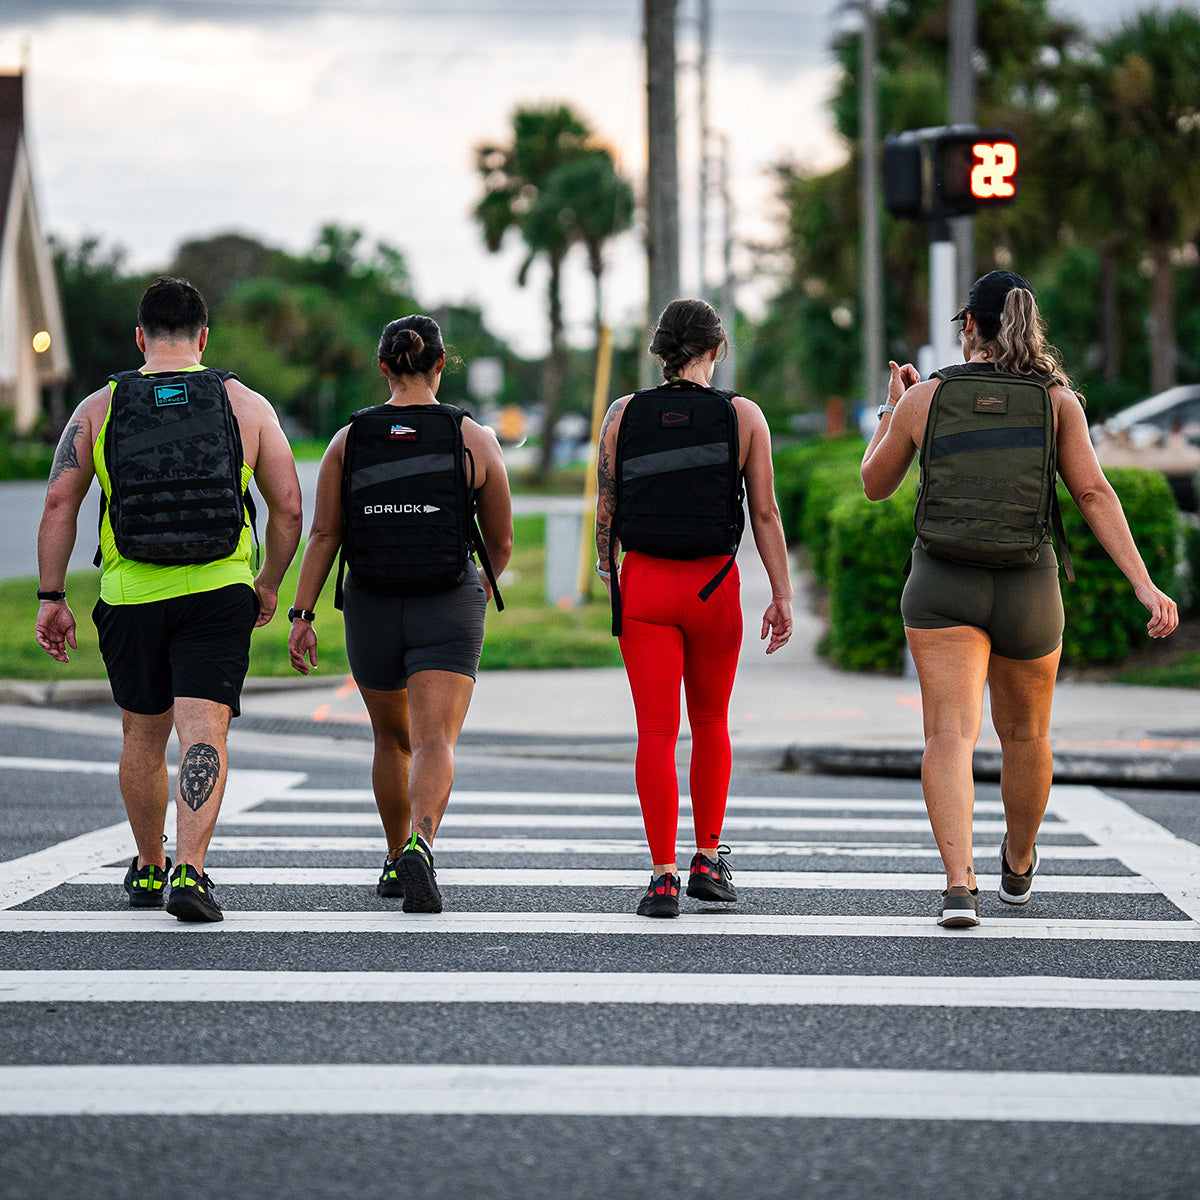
(594, 877)
(561, 987)
(461, 820)
(711, 924)
(531, 800)
(22, 879)
(447, 843)
(170, 1089)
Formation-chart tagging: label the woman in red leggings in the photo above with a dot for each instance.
(669, 635)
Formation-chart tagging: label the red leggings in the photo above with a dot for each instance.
(670, 634)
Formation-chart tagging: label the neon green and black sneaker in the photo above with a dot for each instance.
(147, 886)
(390, 884)
(418, 878)
(191, 897)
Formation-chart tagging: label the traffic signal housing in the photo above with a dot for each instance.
(948, 171)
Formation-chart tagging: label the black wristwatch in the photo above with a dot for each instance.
(302, 614)
(52, 595)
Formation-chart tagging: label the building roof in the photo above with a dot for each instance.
(12, 125)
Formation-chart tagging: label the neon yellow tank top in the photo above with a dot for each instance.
(123, 581)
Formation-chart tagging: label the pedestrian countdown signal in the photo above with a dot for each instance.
(948, 171)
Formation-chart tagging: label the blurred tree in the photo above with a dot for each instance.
(100, 307)
(217, 264)
(1140, 102)
(518, 182)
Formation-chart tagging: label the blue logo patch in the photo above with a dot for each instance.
(170, 393)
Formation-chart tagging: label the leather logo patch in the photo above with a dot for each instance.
(674, 420)
(985, 402)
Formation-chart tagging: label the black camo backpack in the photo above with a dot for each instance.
(679, 488)
(988, 467)
(408, 504)
(173, 452)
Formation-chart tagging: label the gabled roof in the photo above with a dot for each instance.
(12, 125)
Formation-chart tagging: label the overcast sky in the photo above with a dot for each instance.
(151, 123)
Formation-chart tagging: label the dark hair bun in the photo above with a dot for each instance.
(411, 345)
(686, 330)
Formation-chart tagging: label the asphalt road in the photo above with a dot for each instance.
(822, 1039)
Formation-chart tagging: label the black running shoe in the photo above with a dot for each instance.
(191, 897)
(146, 886)
(390, 884)
(960, 908)
(418, 879)
(1014, 888)
(711, 878)
(661, 898)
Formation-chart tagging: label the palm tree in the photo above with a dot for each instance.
(597, 201)
(519, 195)
(1147, 121)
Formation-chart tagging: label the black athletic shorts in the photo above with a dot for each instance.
(195, 646)
(389, 638)
(1019, 608)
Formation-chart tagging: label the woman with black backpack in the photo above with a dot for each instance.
(397, 493)
(674, 463)
(981, 605)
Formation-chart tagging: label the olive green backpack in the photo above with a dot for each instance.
(988, 468)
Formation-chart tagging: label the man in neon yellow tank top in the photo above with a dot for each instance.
(175, 638)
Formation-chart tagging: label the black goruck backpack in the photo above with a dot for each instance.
(988, 466)
(173, 452)
(408, 506)
(678, 484)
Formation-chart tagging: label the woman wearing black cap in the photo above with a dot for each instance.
(969, 625)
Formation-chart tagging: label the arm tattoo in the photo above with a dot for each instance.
(198, 774)
(66, 457)
(606, 487)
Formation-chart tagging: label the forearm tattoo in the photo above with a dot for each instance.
(66, 457)
(198, 774)
(606, 488)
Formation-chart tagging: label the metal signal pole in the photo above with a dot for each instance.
(662, 167)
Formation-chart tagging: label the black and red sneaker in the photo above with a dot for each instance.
(711, 878)
(661, 898)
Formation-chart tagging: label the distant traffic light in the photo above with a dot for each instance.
(948, 171)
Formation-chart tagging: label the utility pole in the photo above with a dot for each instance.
(870, 252)
(662, 167)
(962, 112)
(705, 23)
(726, 372)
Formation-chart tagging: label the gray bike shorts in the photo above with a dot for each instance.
(389, 638)
(1019, 608)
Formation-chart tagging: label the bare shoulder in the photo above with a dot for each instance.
(748, 412)
(249, 406)
(612, 418)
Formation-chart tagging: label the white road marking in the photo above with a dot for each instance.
(562, 987)
(447, 843)
(531, 800)
(22, 879)
(500, 820)
(171, 1089)
(1143, 845)
(711, 924)
(596, 877)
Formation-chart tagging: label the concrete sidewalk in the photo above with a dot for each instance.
(792, 711)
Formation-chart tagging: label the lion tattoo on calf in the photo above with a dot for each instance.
(198, 774)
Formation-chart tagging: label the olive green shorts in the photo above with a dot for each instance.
(1019, 608)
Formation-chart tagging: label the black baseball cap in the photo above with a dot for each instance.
(986, 301)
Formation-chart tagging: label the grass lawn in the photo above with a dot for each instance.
(528, 634)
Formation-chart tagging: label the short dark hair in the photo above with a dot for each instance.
(172, 308)
(411, 345)
(686, 330)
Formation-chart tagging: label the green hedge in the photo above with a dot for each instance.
(869, 544)
(1105, 620)
(794, 468)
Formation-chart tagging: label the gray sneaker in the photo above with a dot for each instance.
(960, 908)
(1014, 888)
